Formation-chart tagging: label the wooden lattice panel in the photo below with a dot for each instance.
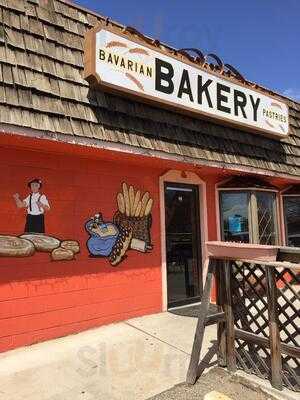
(250, 299)
(250, 308)
(258, 320)
(253, 359)
(288, 285)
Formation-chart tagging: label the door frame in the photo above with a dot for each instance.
(188, 178)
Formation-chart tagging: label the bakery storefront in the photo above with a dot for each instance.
(120, 158)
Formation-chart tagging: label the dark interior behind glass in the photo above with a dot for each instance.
(266, 212)
(292, 219)
(182, 244)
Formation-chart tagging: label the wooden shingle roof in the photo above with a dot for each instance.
(42, 88)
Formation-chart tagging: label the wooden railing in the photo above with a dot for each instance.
(258, 319)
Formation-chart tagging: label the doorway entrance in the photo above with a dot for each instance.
(183, 244)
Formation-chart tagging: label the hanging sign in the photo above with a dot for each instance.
(124, 64)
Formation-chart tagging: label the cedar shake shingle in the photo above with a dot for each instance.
(42, 87)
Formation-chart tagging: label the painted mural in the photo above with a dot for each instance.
(129, 229)
(36, 204)
(34, 239)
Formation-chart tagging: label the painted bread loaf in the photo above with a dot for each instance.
(70, 245)
(121, 246)
(61, 254)
(13, 246)
(42, 242)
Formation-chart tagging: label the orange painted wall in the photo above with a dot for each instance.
(40, 299)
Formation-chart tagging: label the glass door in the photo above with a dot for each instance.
(183, 245)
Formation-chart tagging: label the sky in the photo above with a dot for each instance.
(261, 38)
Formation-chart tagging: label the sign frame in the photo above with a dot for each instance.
(94, 79)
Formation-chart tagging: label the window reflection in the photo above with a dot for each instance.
(234, 210)
(249, 216)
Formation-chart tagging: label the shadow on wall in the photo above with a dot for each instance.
(205, 138)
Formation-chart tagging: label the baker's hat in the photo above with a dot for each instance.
(35, 180)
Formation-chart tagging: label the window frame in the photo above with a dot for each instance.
(252, 215)
(284, 219)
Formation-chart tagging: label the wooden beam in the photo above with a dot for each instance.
(198, 338)
(221, 330)
(273, 264)
(250, 337)
(231, 358)
(274, 338)
(215, 318)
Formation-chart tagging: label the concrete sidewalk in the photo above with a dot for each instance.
(132, 360)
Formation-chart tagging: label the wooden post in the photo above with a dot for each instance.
(231, 358)
(274, 336)
(243, 312)
(221, 330)
(198, 339)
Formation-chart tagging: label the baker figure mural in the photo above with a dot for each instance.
(34, 239)
(129, 229)
(36, 205)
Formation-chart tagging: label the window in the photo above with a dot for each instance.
(266, 218)
(234, 216)
(291, 208)
(249, 216)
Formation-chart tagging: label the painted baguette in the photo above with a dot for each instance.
(135, 81)
(115, 43)
(138, 209)
(149, 207)
(136, 202)
(126, 198)
(121, 203)
(131, 200)
(145, 199)
(137, 50)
